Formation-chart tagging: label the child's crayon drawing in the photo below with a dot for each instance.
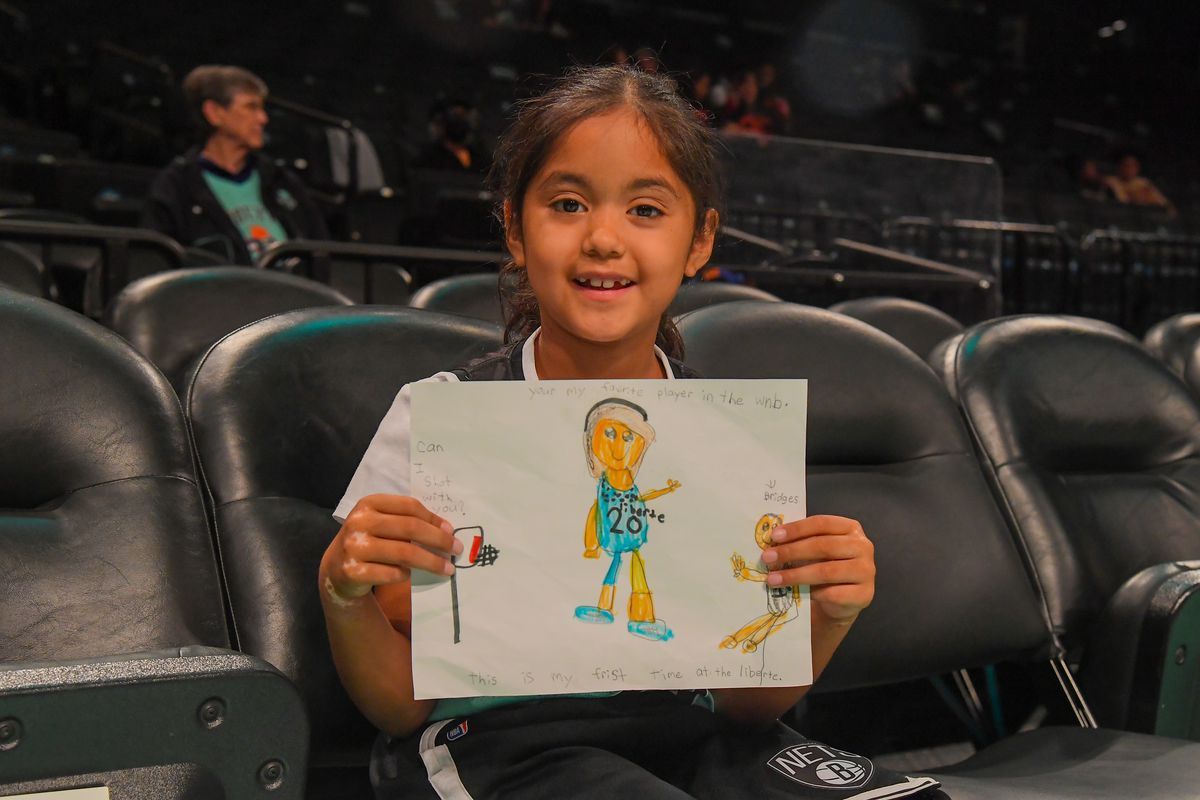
(665, 478)
(476, 553)
(783, 602)
(616, 435)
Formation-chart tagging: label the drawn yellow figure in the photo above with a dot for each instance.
(783, 602)
(616, 435)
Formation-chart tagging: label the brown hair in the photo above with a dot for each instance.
(687, 142)
(219, 83)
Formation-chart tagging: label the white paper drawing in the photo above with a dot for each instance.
(599, 521)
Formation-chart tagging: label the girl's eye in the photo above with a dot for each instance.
(610, 434)
(647, 211)
(569, 205)
(627, 436)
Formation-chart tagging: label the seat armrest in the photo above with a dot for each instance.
(1141, 668)
(201, 721)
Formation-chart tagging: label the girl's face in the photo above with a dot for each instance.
(606, 232)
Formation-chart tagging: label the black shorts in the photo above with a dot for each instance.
(641, 745)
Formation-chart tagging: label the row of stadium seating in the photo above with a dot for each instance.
(1044, 517)
(1131, 280)
(173, 317)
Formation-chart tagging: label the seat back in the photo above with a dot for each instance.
(281, 412)
(887, 447)
(23, 272)
(475, 295)
(698, 294)
(917, 326)
(1174, 340)
(173, 317)
(1095, 449)
(103, 540)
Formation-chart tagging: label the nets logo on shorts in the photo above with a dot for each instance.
(822, 767)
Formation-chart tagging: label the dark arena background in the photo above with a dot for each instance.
(973, 225)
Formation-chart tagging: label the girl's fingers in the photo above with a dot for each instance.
(373, 574)
(404, 518)
(857, 571)
(816, 526)
(411, 529)
(364, 548)
(817, 548)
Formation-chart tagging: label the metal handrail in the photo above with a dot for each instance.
(318, 257)
(917, 263)
(114, 244)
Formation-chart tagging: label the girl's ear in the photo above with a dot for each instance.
(512, 235)
(702, 243)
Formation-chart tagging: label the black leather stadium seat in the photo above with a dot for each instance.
(1174, 341)
(476, 296)
(173, 317)
(102, 529)
(113, 633)
(887, 446)
(1094, 447)
(281, 412)
(23, 272)
(917, 326)
(698, 294)
(941, 360)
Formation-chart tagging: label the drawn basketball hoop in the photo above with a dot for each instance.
(476, 553)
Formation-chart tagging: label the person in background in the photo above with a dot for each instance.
(772, 98)
(1129, 186)
(1090, 180)
(225, 196)
(745, 112)
(646, 59)
(452, 126)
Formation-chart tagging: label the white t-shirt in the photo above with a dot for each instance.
(384, 468)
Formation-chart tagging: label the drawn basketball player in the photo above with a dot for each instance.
(616, 435)
(783, 602)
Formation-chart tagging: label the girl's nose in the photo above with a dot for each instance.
(602, 240)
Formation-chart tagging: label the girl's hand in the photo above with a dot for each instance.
(830, 554)
(381, 542)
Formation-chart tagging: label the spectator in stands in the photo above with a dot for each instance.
(1129, 186)
(746, 111)
(615, 54)
(646, 60)
(452, 125)
(1090, 181)
(772, 98)
(701, 90)
(225, 195)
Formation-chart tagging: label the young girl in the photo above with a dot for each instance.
(609, 185)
